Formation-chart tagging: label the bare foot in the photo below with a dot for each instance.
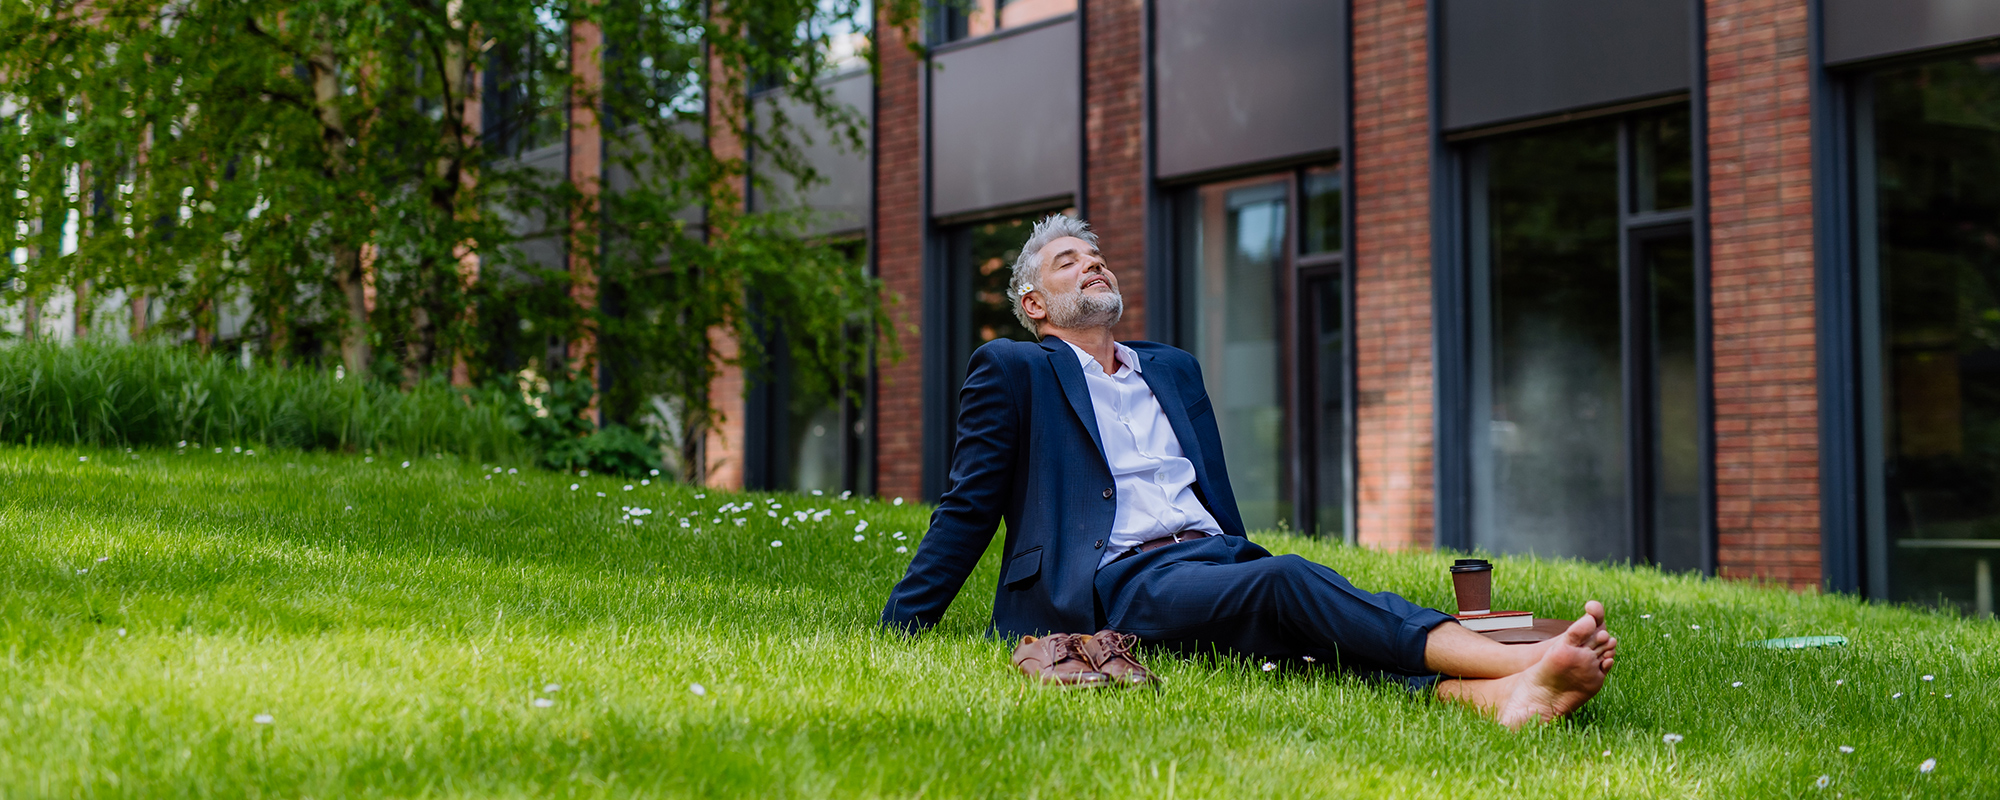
(1534, 652)
(1571, 671)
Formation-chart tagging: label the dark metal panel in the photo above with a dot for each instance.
(1530, 58)
(1003, 121)
(1451, 315)
(1247, 81)
(1704, 307)
(1858, 29)
(840, 200)
(1842, 500)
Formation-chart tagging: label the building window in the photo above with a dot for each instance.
(1927, 169)
(1261, 304)
(803, 442)
(970, 19)
(1583, 392)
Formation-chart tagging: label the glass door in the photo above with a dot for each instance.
(1585, 394)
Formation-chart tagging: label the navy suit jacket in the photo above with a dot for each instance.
(1029, 453)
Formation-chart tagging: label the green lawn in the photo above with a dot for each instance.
(429, 631)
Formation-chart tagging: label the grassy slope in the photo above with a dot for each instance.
(399, 646)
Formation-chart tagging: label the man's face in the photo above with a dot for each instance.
(1070, 264)
(1076, 289)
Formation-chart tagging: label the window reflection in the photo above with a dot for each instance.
(965, 20)
(1936, 248)
(1663, 162)
(1548, 427)
(1233, 250)
(1319, 190)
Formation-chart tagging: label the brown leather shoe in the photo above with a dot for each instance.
(1057, 658)
(1111, 653)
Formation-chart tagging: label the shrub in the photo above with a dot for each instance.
(130, 395)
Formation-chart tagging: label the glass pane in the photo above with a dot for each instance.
(1663, 162)
(995, 245)
(964, 20)
(1669, 265)
(1321, 216)
(1237, 247)
(1330, 422)
(1937, 162)
(1549, 449)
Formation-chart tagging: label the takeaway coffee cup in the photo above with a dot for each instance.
(1472, 581)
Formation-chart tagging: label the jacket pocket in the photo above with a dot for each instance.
(1023, 568)
(1200, 407)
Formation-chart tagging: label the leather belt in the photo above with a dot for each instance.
(1154, 544)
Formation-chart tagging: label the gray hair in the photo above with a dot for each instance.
(1028, 268)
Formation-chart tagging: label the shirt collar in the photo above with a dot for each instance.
(1126, 358)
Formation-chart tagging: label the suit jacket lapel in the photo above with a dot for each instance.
(1069, 373)
(1168, 393)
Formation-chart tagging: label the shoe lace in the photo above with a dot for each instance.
(1064, 647)
(1118, 645)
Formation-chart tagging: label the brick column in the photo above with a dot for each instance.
(723, 440)
(1391, 257)
(1115, 140)
(1761, 268)
(899, 261)
(586, 164)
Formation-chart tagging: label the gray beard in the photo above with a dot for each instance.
(1078, 311)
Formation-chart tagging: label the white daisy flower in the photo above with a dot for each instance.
(543, 702)
(1672, 738)
(573, 487)
(698, 691)
(553, 687)
(1823, 782)
(263, 719)
(1845, 749)
(1268, 666)
(897, 502)
(406, 465)
(776, 543)
(1928, 765)
(860, 538)
(902, 549)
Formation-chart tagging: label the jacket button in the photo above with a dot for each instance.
(1097, 545)
(1107, 494)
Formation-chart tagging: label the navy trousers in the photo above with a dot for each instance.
(1226, 593)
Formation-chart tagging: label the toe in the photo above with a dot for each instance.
(1581, 632)
(1595, 610)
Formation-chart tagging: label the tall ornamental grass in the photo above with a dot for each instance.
(137, 395)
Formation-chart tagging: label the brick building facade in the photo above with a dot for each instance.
(1605, 280)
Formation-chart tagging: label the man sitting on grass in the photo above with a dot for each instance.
(1104, 460)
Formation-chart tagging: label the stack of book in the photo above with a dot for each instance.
(1496, 620)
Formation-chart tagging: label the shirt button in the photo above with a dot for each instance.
(1107, 494)
(1097, 545)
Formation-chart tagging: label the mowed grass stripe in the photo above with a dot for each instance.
(399, 648)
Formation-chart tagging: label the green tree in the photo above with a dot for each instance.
(296, 157)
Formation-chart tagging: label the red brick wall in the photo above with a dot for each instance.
(1115, 138)
(1390, 170)
(899, 259)
(1761, 266)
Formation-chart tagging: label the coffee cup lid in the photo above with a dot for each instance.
(1471, 565)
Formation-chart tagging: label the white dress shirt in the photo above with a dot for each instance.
(1154, 479)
